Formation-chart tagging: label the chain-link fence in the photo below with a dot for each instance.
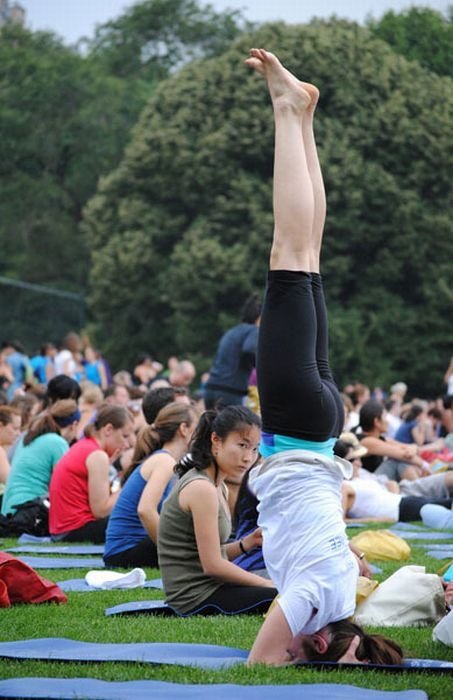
(35, 314)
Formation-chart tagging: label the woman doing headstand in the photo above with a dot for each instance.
(299, 485)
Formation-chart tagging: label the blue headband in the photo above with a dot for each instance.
(73, 418)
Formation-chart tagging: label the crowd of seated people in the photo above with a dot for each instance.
(49, 412)
(129, 464)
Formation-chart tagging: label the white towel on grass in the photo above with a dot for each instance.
(112, 579)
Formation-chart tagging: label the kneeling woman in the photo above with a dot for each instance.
(195, 522)
(80, 496)
(132, 530)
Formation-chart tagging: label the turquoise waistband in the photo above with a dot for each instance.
(271, 443)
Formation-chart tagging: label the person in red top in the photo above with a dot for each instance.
(79, 492)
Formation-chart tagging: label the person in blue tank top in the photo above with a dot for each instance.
(132, 529)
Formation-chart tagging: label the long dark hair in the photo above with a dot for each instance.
(58, 415)
(412, 413)
(222, 423)
(373, 648)
(152, 437)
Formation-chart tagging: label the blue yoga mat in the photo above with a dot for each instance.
(94, 689)
(159, 607)
(73, 550)
(440, 553)
(63, 563)
(61, 649)
(81, 586)
(409, 526)
(25, 538)
(205, 656)
(433, 545)
(408, 535)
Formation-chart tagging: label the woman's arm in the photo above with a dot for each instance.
(100, 499)
(159, 474)
(200, 498)
(393, 450)
(347, 498)
(102, 375)
(4, 466)
(418, 434)
(250, 541)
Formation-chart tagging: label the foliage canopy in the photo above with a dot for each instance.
(180, 232)
(420, 34)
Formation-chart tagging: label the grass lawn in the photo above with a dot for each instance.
(83, 619)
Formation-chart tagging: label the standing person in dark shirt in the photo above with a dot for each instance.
(234, 360)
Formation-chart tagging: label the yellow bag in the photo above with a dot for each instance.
(381, 545)
(365, 586)
(408, 598)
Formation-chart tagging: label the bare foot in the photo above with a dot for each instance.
(285, 89)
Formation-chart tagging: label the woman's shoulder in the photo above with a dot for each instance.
(50, 441)
(371, 439)
(157, 459)
(193, 475)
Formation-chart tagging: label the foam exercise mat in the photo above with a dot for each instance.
(25, 538)
(413, 535)
(206, 656)
(433, 545)
(440, 553)
(63, 563)
(159, 607)
(81, 586)
(61, 649)
(73, 550)
(160, 690)
(408, 526)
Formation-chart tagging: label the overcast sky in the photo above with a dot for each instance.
(72, 19)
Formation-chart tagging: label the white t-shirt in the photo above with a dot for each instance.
(393, 423)
(65, 363)
(305, 547)
(373, 500)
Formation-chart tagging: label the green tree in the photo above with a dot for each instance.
(63, 123)
(420, 34)
(182, 229)
(153, 37)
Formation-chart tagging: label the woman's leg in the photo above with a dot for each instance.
(319, 218)
(237, 600)
(295, 400)
(142, 554)
(410, 506)
(93, 531)
(293, 198)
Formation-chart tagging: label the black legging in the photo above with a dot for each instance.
(93, 531)
(142, 554)
(410, 507)
(232, 599)
(298, 395)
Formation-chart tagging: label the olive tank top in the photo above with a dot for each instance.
(185, 584)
